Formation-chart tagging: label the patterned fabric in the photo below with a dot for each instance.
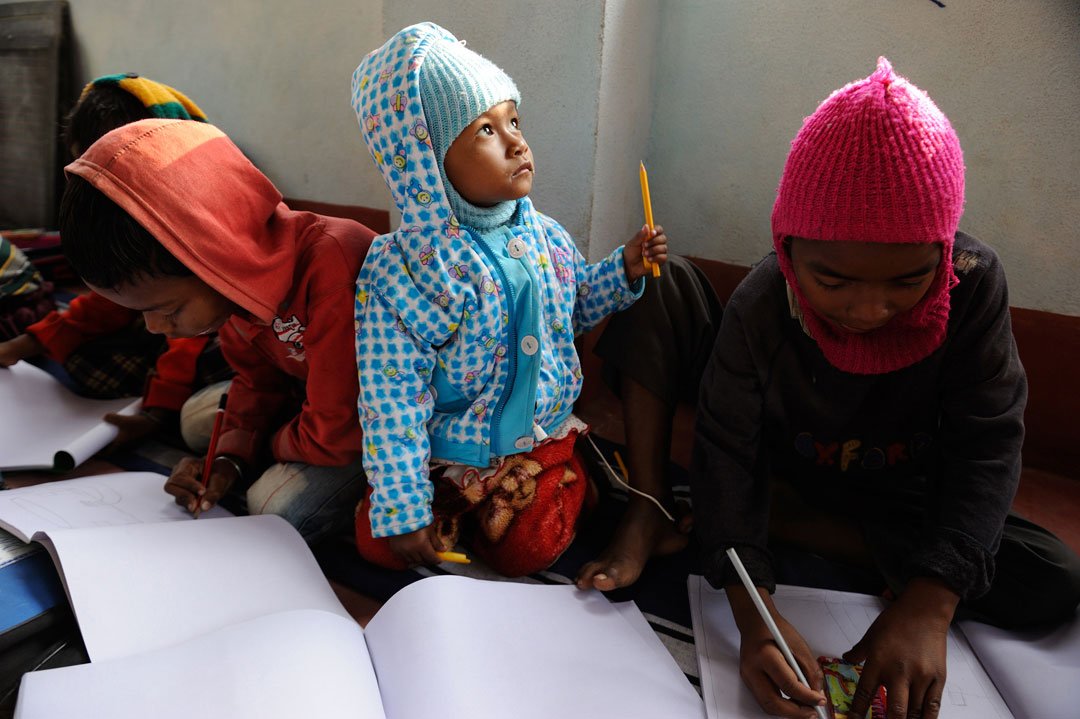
(876, 162)
(17, 275)
(465, 342)
(24, 296)
(518, 517)
(20, 312)
(161, 100)
(116, 365)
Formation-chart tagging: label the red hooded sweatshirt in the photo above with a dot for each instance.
(292, 273)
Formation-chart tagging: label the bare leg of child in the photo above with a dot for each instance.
(654, 354)
(643, 531)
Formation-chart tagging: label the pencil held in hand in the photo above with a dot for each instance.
(759, 604)
(647, 202)
(208, 464)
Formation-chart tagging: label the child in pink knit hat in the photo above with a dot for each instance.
(867, 371)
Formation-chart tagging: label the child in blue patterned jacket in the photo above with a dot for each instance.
(466, 318)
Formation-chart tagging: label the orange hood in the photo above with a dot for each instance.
(193, 190)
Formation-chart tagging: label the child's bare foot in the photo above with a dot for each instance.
(643, 532)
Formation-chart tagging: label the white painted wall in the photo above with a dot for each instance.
(551, 48)
(623, 124)
(273, 75)
(708, 92)
(735, 79)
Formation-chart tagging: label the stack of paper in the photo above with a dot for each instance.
(46, 426)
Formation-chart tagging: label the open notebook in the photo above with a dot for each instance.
(46, 426)
(1035, 672)
(232, 617)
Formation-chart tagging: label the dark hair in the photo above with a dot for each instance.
(105, 245)
(104, 108)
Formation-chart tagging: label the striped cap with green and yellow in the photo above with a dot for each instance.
(161, 100)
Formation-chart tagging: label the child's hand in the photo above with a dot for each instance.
(18, 348)
(763, 667)
(904, 650)
(134, 427)
(651, 245)
(419, 547)
(185, 484)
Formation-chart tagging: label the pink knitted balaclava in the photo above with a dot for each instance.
(876, 162)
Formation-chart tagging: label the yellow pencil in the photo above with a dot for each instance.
(455, 557)
(647, 201)
(622, 467)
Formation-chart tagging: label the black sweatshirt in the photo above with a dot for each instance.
(936, 443)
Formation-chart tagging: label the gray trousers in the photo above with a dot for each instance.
(316, 500)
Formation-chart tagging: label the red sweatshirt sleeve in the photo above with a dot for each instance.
(174, 379)
(88, 317)
(256, 396)
(327, 430)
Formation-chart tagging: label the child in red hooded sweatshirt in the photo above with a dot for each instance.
(102, 346)
(168, 218)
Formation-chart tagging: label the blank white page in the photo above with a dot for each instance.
(99, 501)
(46, 426)
(282, 666)
(831, 623)
(455, 647)
(637, 621)
(140, 587)
(1037, 671)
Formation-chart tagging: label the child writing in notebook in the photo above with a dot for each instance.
(104, 347)
(869, 366)
(466, 318)
(168, 218)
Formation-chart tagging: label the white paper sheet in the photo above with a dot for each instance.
(101, 500)
(1037, 672)
(282, 666)
(46, 426)
(633, 616)
(139, 587)
(831, 622)
(453, 646)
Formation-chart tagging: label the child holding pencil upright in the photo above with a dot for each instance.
(868, 368)
(653, 354)
(227, 255)
(466, 319)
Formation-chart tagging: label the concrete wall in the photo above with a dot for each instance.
(623, 123)
(535, 43)
(273, 75)
(708, 92)
(735, 79)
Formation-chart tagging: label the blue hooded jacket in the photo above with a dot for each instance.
(465, 341)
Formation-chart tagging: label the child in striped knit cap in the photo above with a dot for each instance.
(869, 363)
(105, 348)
